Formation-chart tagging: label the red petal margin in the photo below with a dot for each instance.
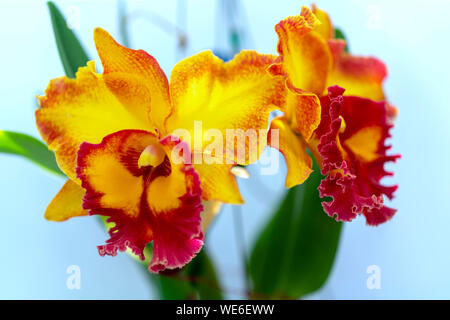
(181, 226)
(176, 234)
(353, 185)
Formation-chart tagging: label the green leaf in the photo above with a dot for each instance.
(70, 50)
(338, 34)
(172, 285)
(197, 280)
(203, 277)
(294, 254)
(30, 148)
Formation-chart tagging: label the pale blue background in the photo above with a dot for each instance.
(412, 250)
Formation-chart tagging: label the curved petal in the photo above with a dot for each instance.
(67, 203)
(303, 111)
(360, 76)
(238, 94)
(353, 157)
(84, 109)
(233, 98)
(119, 187)
(219, 183)
(305, 56)
(325, 28)
(139, 65)
(293, 148)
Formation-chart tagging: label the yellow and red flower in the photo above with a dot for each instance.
(347, 133)
(112, 134)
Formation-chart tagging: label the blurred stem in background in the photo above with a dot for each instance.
(123, 23)
(241, 243)
(234, 31)
(177, 30)
(235, 40)
(182, 25)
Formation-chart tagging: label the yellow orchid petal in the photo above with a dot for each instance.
(303, 112)
(237, 95)
(108, 171)
(79, 110)
(67, 203)
(145, 69)
(360, 76)
(218, 183)
(325, 28)
(293, 148)
(306, 58)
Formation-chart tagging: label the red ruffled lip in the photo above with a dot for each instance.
(175, 232)
(352, 182)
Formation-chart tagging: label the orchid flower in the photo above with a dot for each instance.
(114, 136)
(346, 134)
